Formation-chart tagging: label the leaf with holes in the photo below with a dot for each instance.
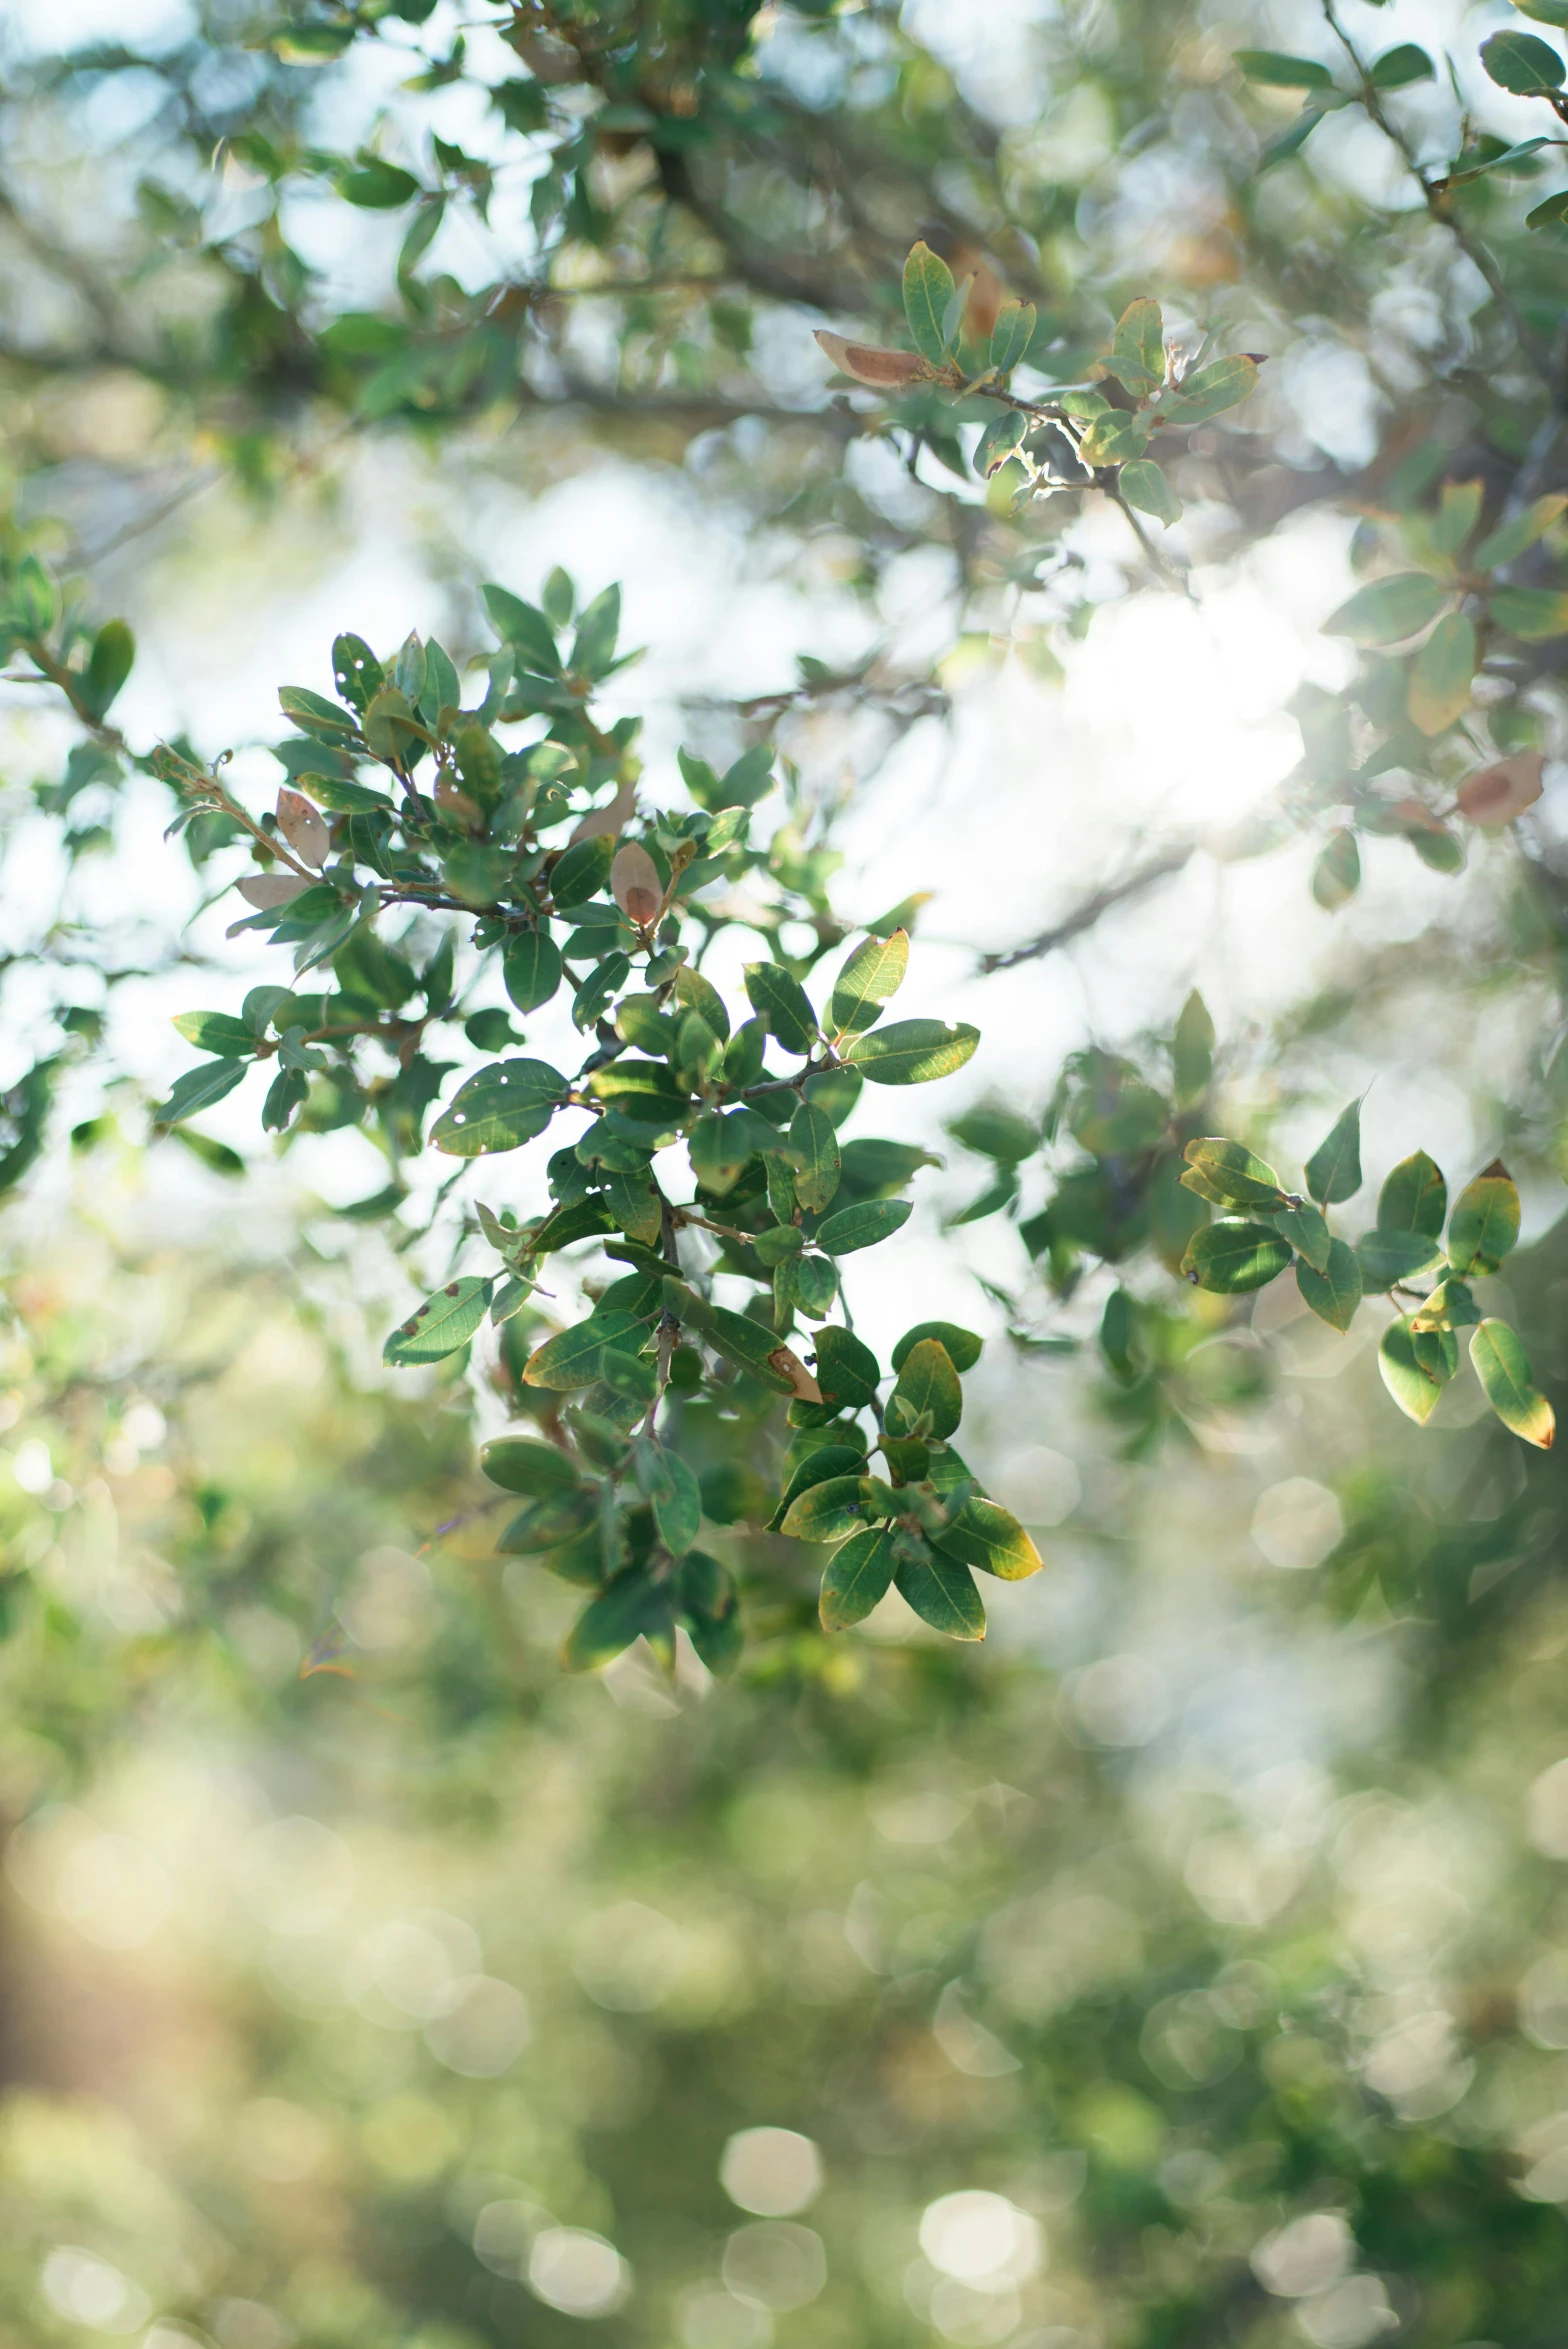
(500, 1108)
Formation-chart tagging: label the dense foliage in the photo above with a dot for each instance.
(1187, 1967)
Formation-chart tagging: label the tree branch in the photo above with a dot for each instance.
(1083, 917)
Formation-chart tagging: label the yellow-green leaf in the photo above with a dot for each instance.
(1504, 1371)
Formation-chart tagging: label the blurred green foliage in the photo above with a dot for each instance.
(1187, 1969)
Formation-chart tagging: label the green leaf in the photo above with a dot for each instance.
(1522, 63)
(911, 1052)
(378, 186)
(1336, 876)
(847, 1369)
(1485, 1221)
(1552, 12)
(1397, 68)
(963, 1348)
(531, 968)
(863, 1225)
(315, 713)
(985, 1535)
(1290, 141)
(215, 1031)
(1137, 357)
(942, 1593)
(1334, 1169)
(1390, 609)
(710, 1611)
(572, 1358)
(1533, 614)
(1415, 1391)
(1011, 335)
(523, 627)
(784, 1004)
(1115, 438)
(828, 1459)
(927, 1385)
(1277, 71)
(1414, 1198)
(695, 993)
(1307, 1233)
(677, 1505)
(520, 1464)
(1441, 678)
(1335, 1292)
(1230, 1258)
(1144, 485)
(928, 289)
(631, 1608)
(198, 1089)
(109, 664)
(1388, 1257)
(826, 1512)
(873, 972)
(1211, 391)
(499, 1108)
(552, 1522)
(998, 441)
(598, 628)
(814, 1155)
(1117, 1116)
(442, 1324)
(1192, 1050)
(1510, 540)
(857, 1576)
(581, 872)
(1227, 1173)
(1504, 1371)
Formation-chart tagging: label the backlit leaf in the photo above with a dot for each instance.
(984, 1534)
(1413, 1389)
(1334, 1169)
(783, 1002)
(1485, 1222)
(442, 1324)
(1390, 609)
(1414, 1198)
(1441, 677)
(873, 972)
(1504, 1371)
(814, 1155)
(1231, 1258)
(928, 289)
(962, 1347)
(927, 1389)
(1211, 391)
(1137, 357)
(911, 1052)
(1335, 1292)
(1228, 1173)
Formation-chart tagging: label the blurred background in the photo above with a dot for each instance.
(1187, 1967)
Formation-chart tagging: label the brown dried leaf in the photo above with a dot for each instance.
(304, 828)
(867, 363)
(606, 822)
(265, 890)
(1495, 795)
(635, 884)
(790, 1366)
